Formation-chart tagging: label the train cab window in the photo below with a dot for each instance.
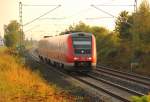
(82, 45)
(84, 42)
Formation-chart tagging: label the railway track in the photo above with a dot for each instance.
(105, 86)
(115, 90)
(115, 85)
(119, 97)
(131, 76)
(139, 83)
(139, 80)
(130, 79)
(123, 82)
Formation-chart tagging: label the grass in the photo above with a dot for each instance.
(19, 83)
(145, 98)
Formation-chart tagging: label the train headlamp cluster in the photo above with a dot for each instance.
(77, 58)
(89, 58)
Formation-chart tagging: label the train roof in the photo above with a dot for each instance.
(81, 33)
(72, 33)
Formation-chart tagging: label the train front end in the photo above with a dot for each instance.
(82, 51)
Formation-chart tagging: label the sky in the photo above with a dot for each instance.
(70, 12)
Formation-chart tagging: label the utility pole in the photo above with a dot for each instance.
(21, 23)
(135, 63)
(135, 5)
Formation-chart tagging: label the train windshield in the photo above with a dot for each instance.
(82, 45)
(84, 42)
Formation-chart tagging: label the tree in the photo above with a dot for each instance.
(12, 34)
(80, 27)
(142, 21)
(123, 25)
(141, 27)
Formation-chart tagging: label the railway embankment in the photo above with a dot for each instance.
(18, 83)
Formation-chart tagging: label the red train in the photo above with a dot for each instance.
(73, 51)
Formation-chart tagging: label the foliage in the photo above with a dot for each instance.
(141, 27)
(136, 25)
(81, 27)
(19, 84)
(12, 34)
(134, 33)
(107, 46)
(140, 99)
(142, 19)
(123, 25)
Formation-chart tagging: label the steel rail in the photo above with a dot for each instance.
(103, 89)
(124, 77)
(116, 85)
(124, 73)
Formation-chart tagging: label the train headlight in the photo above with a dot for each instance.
(75, 58)
(89, 58)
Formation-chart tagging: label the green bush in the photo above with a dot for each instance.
(140, 99)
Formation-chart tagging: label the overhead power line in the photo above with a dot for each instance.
(97, 18)
(112, 5)
(123, 20)
(135, 5)
(103, 11)
(41, 16)
(78, 13)
(38, 5)
(32, 28)
(52, 18)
